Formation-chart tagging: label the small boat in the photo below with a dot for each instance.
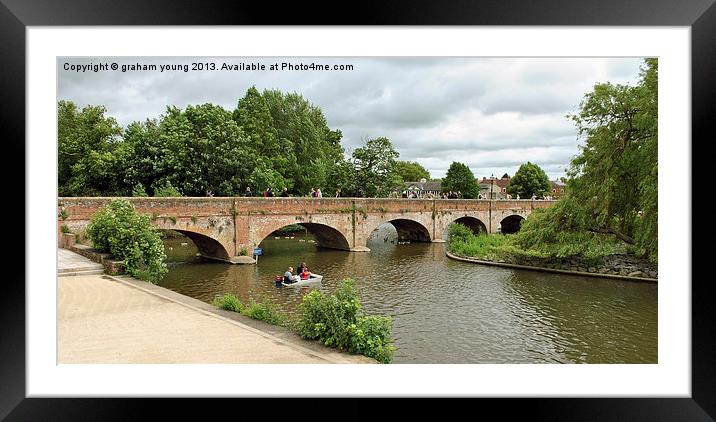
(313, 279)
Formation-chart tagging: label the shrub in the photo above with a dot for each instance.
(166, 189)
(229, 302)
(65, 229)
(459, 232)
(336, 321)
(129, 237)
(265, 311)
(139, 190)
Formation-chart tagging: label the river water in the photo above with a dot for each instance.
(447, 311)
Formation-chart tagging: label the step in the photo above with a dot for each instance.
(99, 267)
(82, 272)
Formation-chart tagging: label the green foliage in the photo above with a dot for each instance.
(63, 214)
(529, 180)
(202, 149)
(374, 166)
(64, 228)
(293, 228)
(462, 241)
(262, 310)
(611, 198)
(129, 237)
(166, 189)
(538, 241)
(89, 160)
(310, 150)
(265, 311)
(411, 171)
(459, 178)
(138, 190)
(229, 302)
(336, 321)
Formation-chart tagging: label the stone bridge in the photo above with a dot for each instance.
(229, 228)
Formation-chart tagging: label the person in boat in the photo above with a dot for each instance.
(288, 276)
(305, 274)
(300, 267)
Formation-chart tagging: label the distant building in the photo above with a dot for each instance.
(556, 188)
(422, 189)
(494, 188)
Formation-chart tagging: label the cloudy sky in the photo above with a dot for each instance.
(490, 113)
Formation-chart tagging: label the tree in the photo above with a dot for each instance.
(203, 149)
(459, 178)
(312, 149)
(275, 155)
(529, 180)
(87, 142)
(612, 185)
(411, 171)
(374, 166)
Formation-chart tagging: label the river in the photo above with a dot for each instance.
(447, 311)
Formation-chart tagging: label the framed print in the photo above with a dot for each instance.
(424, 77)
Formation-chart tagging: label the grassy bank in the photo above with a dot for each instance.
(335, 321)
(592, 254)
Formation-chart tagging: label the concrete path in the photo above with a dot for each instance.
(104, 319)
(70, 263)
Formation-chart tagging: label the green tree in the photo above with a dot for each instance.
(459, 178)
(89, 162)
(374, 166)
(312, 150)
(341, 176)
(148, 154)
(273, 153)
(411, 171)
(529, 180)
(612, 185)
(203, 149)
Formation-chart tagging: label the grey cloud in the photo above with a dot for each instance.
(493, 112)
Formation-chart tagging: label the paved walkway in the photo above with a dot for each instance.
(105, 319)
(70, 263)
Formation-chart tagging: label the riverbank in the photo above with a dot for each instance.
(110, 319)
(622, 267)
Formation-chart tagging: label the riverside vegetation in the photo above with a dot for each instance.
(601, 254)
(130, 237)
(334, 320)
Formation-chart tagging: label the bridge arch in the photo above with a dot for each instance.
(208, 246)
(511, 224)
(408, 230)
(326, 236)
(473, 223)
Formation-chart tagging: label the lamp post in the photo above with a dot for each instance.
(492, 186)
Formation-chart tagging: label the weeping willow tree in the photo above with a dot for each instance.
(611, 195)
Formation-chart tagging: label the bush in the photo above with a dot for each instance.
(229, 302)
(129, 237)
(265, 311)
(336, 321)
(166, 189)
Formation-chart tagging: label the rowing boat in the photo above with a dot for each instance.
(313, 279)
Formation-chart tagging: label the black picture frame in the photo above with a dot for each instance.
(16, 15)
